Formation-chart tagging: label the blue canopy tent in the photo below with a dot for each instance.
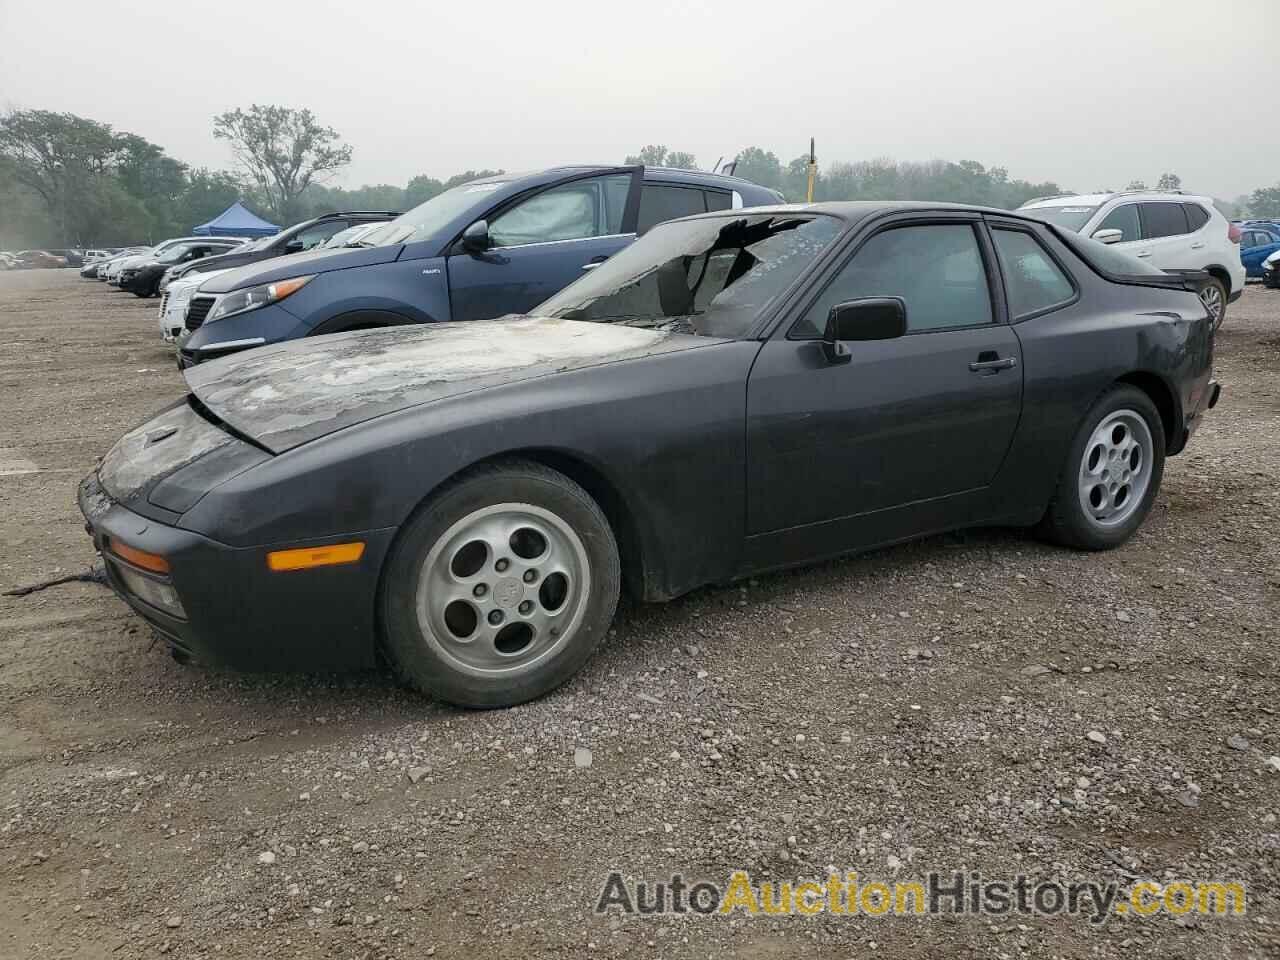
(236, 221)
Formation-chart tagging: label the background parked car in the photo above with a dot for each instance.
(71, 257)
(143, 280)
(1171, 231)
(111, 272)
(483, 249)
(1258, 240)
(298, 238)
(349, 236)
(1271, 270)
(8, 261)
(173, 304)
(93, 271)
(39, 260)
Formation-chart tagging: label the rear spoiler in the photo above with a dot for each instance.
(1192, 280)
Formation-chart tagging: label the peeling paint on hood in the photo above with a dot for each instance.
(285, 395)
(157, 448)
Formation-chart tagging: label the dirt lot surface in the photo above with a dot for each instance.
(978, 702)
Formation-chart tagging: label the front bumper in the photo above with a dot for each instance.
(239, 614)
(244, 331)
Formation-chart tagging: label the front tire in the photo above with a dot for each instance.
(1112, 473)
(499, 588)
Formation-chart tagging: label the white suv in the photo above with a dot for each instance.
(174, 301)
(1170, 231)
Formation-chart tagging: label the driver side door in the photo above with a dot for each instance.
(542, 242)
(907, 435)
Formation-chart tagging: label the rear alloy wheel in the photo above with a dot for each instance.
(1214, 298)
(1112, 473)
(500, 587)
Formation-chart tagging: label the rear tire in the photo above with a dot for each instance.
(499, 588)
(1112, 473)
(1214, 297)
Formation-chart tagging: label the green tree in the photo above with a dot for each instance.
(283, 150)
(458, 179)
(1265, 202)
(207, 194)
(657, 155)
(760, 166)
(1169, 182)
(58, 156)
(421, 189)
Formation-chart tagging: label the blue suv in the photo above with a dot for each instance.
(483, 249)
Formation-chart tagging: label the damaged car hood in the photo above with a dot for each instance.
(285, 395)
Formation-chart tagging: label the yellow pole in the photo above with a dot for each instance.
(813, 170)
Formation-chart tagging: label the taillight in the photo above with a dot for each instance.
(1233, 233)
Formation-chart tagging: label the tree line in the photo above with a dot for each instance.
(67, 180)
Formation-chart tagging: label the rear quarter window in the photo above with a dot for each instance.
(1197, 216)
(1034, 281)
(1163, 220)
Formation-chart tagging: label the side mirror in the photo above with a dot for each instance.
(871, 318)
(475, 239)
(1108, 236)
(293, 246)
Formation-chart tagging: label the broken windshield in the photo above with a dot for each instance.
(712, 276)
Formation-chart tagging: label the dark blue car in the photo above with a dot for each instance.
(483, 249)
(1259, 239)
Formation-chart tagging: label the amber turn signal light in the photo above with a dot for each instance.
(139, 558)
(304, 558)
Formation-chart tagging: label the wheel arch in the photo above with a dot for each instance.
(608, 495)
(1166, 403)
(1221, 274)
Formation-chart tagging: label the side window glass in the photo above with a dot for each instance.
(936, 269)
(1125, 219)
(616, 189)
(1032, 278)
(1163, 220)
(1197, 216)
(718, 200)
(571, 211)
(659, 203)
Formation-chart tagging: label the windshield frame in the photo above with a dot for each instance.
(765, 323)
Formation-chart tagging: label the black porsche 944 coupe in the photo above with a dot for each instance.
(736, 392)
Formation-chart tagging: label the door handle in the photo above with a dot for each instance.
(1144, 253)
(994, 366)
(1197, 246)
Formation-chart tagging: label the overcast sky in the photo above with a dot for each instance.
(1089, 93)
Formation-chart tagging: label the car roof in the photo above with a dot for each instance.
(702, 177)
(857, 210)
(1098, 199)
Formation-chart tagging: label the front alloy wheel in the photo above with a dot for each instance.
(500, 586)
(503, 589)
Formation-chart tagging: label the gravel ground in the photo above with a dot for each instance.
(933, 706)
